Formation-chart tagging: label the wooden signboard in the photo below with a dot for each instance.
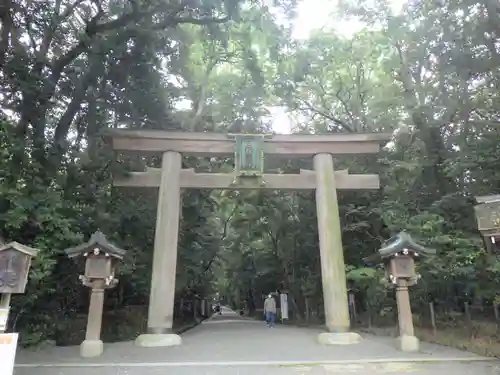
(8, 346)
(4, 317)
(14, 267)
(488, 215)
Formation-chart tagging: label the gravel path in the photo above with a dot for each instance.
(228, 344)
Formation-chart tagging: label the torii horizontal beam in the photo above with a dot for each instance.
(306, 180)
(217, 144)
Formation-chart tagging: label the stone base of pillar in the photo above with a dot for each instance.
(150, 340)
(408, 344)
(91, 348)
(341, 338)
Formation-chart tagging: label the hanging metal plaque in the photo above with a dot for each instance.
(249, 155)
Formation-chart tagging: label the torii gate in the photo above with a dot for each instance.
(249, 151)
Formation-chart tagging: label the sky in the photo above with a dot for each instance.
(313, 15)
(318, 14)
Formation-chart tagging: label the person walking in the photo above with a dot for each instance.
(270, 310)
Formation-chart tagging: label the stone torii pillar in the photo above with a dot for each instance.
(162, 293)
(333, 274)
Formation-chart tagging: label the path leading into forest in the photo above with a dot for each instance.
(230, 345)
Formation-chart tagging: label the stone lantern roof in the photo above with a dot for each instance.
(96, 244)
(403, 244)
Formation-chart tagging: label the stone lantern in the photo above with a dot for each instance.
(101, 260)
(487, 213)
(398, 255)
(15, 263)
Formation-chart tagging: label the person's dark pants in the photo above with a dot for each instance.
(270, 318)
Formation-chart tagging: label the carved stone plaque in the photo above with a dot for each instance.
(14, 267)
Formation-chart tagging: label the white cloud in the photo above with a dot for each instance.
(282, 121)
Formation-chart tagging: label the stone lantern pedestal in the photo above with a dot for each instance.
(101, 260)
(398, 255)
